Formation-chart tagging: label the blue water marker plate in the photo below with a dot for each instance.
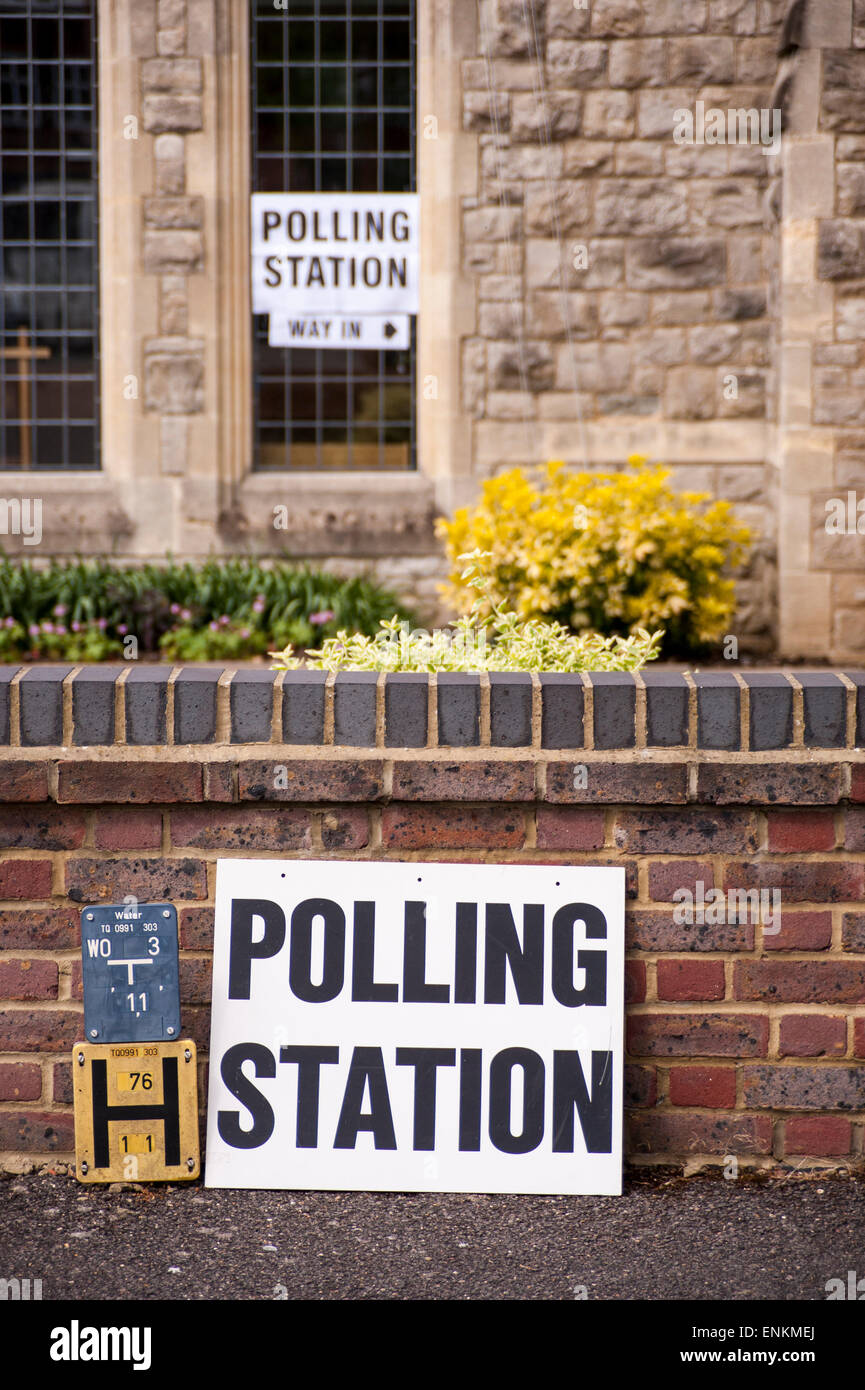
(130, 969)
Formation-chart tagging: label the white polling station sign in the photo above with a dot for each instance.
(316, 254)
(372, 331)
(417, 1027)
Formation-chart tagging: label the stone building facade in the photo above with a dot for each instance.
(592, 285)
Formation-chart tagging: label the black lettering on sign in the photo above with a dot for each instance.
(367, 1069)
(525, 959)
(470, 1099)
(415, 989)
(594, 992)
(300, 956)
(243, 950)
(240, 1086)
(168, 1112)
(364, 988)
(274, 274)
(466, 954)
(595, 1112)
(501, 1082)
(309, 1061)
(425, 1061)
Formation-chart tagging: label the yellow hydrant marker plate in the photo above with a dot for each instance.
(136, 1111)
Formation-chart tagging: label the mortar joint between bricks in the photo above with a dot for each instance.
(692, 709)
(222, 732)
(329, 714)
(67, 719)
(433, 711)
(169, 705)
(640, 731)
(120, 705)
(537, 710)
(798, 711)
(588, 712)
(64, 981)
(387, 781)
(485, 719)
(380, 710)
(276, 716)
(15, 708)
(744, 712)
(850, 687)
(836, 936)
(652, 983)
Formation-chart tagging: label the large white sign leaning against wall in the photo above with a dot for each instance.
(417, 1027)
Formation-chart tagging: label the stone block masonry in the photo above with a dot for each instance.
(695, 300)
(736, 806)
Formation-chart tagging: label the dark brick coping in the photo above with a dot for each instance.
(726, 711)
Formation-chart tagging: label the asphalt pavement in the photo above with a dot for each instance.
(666, 1238)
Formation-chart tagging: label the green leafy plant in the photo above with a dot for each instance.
(82, 610)
(490, 637)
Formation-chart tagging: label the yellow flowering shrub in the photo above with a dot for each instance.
(603, 552)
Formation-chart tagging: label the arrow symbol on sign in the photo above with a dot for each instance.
(389, 330)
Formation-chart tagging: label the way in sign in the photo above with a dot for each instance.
(370, 331)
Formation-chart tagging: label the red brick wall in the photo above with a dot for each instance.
(739, 1041)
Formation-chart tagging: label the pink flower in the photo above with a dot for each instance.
(33, 629)
(324, 617)
(61, 631)
(214, 627)
(185, 614)
(258, 606)
(175, 609)
(244, 632)
(59, 610)
(224, 620)
(102, 624)
(47, 627)
(76, 627)
(122, 628)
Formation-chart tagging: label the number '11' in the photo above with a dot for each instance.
(143, 1004)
